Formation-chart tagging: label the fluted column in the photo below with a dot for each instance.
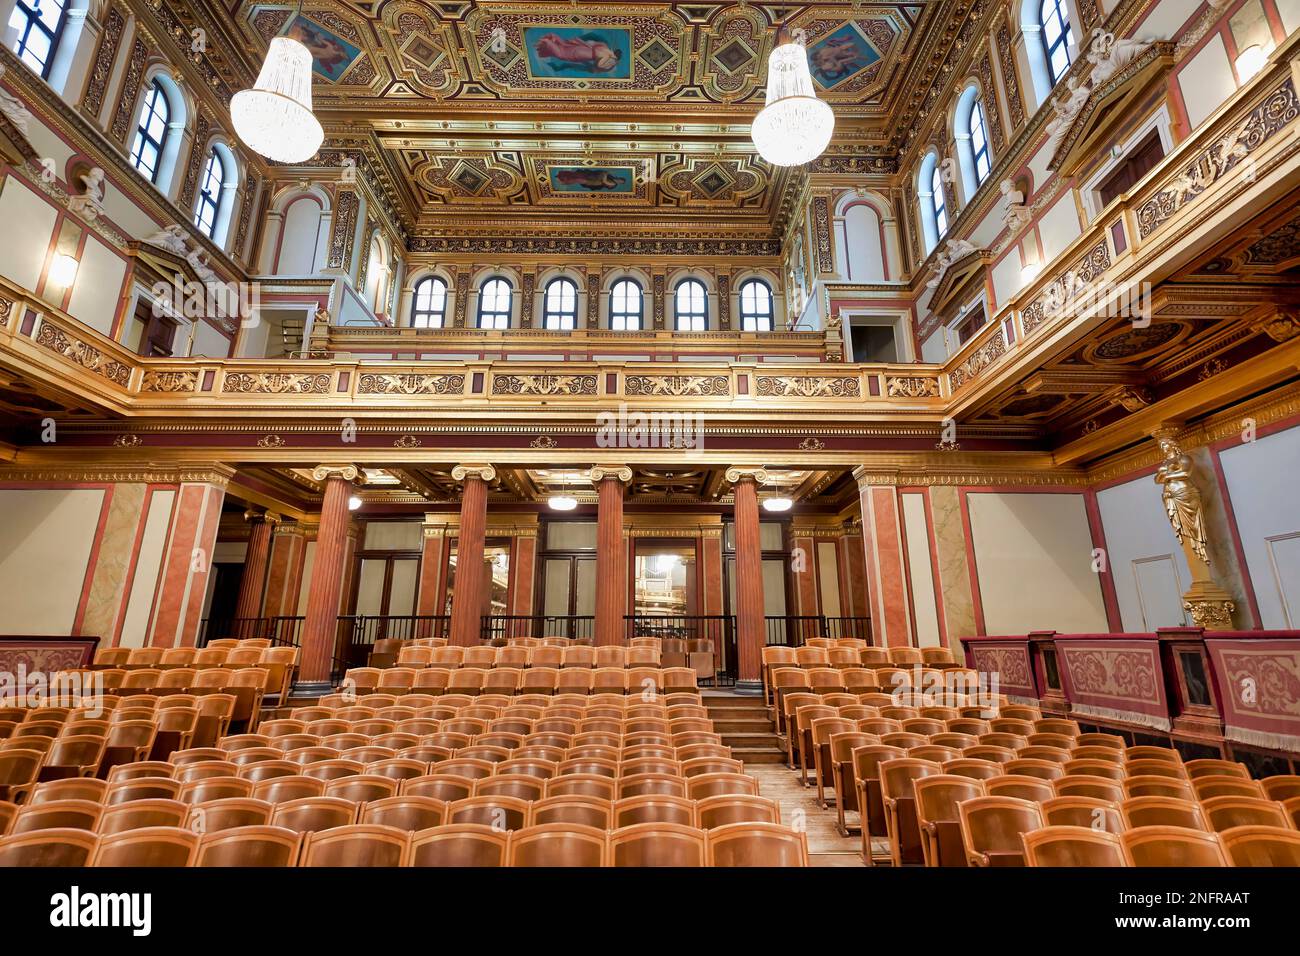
(320, 628)
(253, 581)
(749, 579)
(467, 598)
(611, 552)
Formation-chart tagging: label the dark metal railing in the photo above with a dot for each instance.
(719, 629)
(502, 627)
(368, 628)
(285, 630)
(793, 630)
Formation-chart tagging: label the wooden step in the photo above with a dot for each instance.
(764, 755)
(725, 724)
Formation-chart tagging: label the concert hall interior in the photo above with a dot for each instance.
(449, 433)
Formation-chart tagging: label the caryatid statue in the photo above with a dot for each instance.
(1208, 604)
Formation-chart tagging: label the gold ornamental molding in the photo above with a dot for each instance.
(755, 473)
(214, 474)
(483, 472)
(599, 473)
(346, 472)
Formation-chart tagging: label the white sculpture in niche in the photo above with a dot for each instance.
(13, 108)
(90, 204)
(172, 239)
(1067, 107)
(1015, 214)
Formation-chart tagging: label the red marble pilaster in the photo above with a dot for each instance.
(611, 553)
(467, 598)
(885, 565)
(187, 561)
(252, 584)
(523, 570)
(284, 570)
(320, 627)
(428, 598)
(749, 578)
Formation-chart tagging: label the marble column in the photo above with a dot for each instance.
(284, 570)
(187, 561)
(428, 599)
(954, 584)
(749, 579)
(611, 552)
(252, 584)
(886, 568)
(467, 597)
(320, 627)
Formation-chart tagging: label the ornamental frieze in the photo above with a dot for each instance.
(1278, 110)
(410, 384)
(807, 386)
(130, 89)
(544, 385)
(911, 387)
(1068, 286)
(82, 353)
(277, 383)
(979, 360)
(179, 381)
(596, 245)
(696, 386)
(105, 56)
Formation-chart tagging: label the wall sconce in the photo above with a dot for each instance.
(1249, 63)
(354, 503)
(63, 271)
(1029, 272)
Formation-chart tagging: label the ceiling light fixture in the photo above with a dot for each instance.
(778, 504)
(794, 127)
(562, 502)
(274, 118)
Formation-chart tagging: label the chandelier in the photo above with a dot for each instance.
(794, 127)
(274, 118)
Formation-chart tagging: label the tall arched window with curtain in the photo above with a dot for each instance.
(1058, 35)
(209, 201)
(755, 306)
(37, 28)
(690, 306)
(938, 204)
(494, 303)
(151, 135)
(560, 305)
(429, 305)
(979, 142)
(626, 306)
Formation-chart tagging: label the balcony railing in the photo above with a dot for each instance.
(787, 630)
(503, 627)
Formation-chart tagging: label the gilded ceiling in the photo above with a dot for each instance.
(629, 113)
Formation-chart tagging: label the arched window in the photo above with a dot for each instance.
(690, 306)
(979, 143)
(1058, 36)
(151, 135)
(755, 306)
(494, 304)
(429, 309)
(938, 203)
(625, 306)
(560, 306)
(214, 177)
(37, 27)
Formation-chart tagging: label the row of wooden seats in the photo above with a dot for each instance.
(215, 654)
(312, 808)
(651, 681)
(891, 681)
(268, 680)
(611, 655)
(547, 844)
(331, 703)
(1071, 846)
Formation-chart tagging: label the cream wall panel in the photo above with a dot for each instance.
(209, 343)
(1059, 226)
(1033, 558)
(1289, 11)
(139, 607)
(1166, 19)
(308, 563)
(1261, 477)
(99, 280)
(1008, 278)
(1207, 81)
(22, 251)
(920, 571)
(828, 578)
(1146, 562)
(46, 537)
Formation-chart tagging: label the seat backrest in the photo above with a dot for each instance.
(459, 844)
(1262, 846)
(255, 845)
(938, 795)
(557, 844)
(756, 844)
(1226, 812)
(657, 844)
(1172, 846)
(1015, 785)
(361, 844)
(992, 825)
(168, 846)
(1061, 846)
(57, 847)
(898, 775)
(1088, 812)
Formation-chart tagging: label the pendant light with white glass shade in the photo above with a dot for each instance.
(794, 127)
(274, 118)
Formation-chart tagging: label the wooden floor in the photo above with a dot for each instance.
(826, 847)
